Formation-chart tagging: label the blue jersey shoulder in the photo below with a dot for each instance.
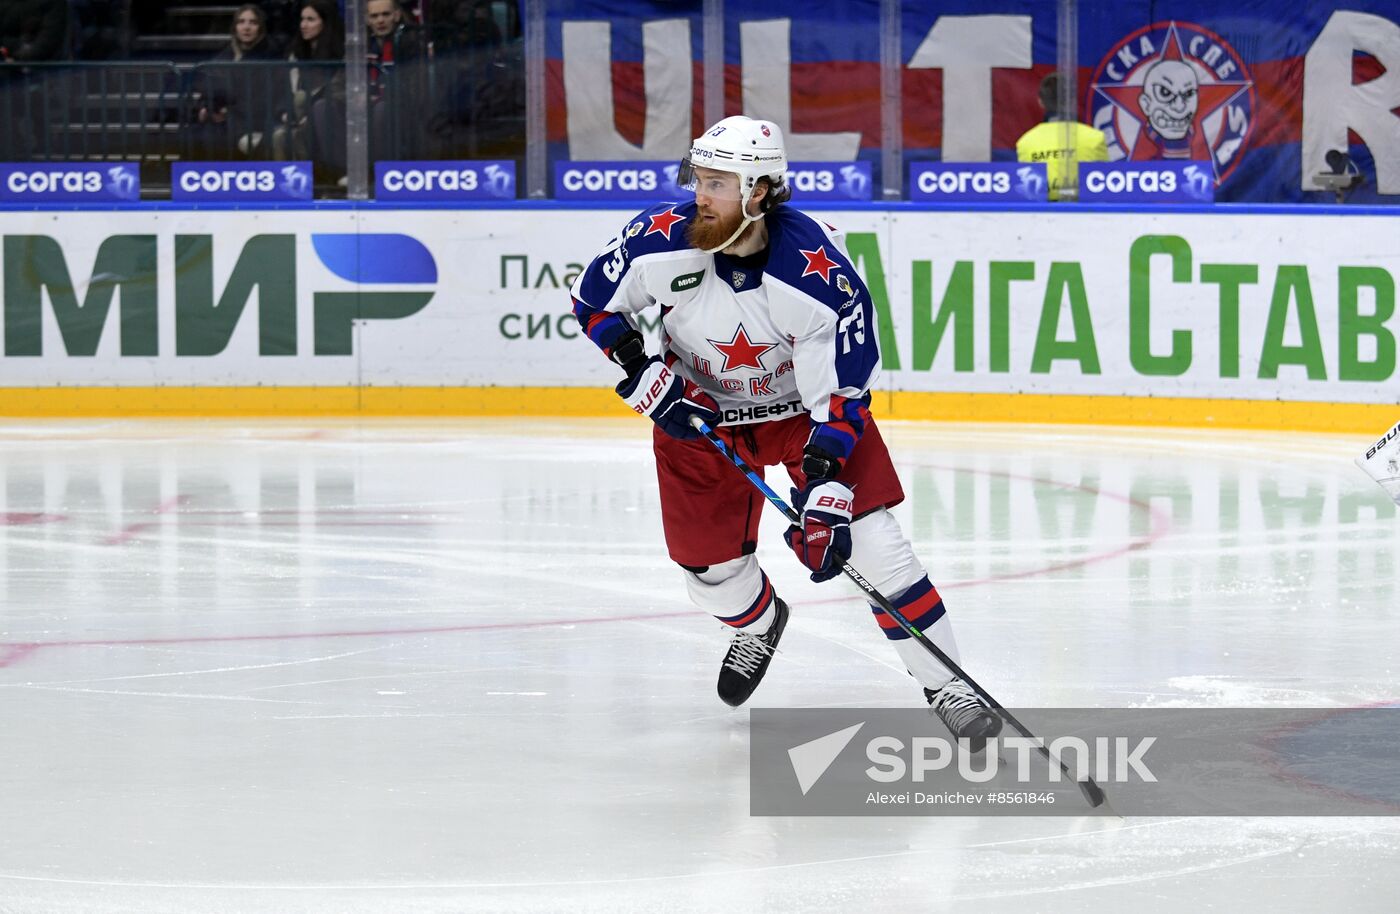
(802, 255)
(654, 230)
(658, 229)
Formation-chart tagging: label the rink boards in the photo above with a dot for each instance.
(1243, 318)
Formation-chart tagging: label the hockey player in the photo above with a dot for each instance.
(768, 334)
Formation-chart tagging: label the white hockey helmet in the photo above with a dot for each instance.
(751, 149)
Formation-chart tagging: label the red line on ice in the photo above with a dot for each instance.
(1161, 526)
(10, 653)
(129, 532)
(24, 518)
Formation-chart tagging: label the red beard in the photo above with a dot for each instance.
(705, 235)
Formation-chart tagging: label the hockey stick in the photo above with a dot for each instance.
(1092, 792)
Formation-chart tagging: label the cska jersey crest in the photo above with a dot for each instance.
(745, 336)
(740, 352)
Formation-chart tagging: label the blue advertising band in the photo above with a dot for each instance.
(1154, 181)
(70, 183)
(647, 182)
(978, 182)
(444, 181)
(226, 182)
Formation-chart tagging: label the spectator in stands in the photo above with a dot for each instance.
(482, 98)
(236, 103)
(97, 29)
(396, 84)
(31, 31)
(1061, 143)
(314, 125)
(281, 19)
(482, 30)
(464, 24)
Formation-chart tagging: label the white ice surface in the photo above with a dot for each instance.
(447, 667)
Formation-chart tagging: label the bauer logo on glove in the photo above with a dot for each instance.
(667, 399)
(823, 541)
(647, 401)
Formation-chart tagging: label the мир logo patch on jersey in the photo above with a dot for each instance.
(1174, 90)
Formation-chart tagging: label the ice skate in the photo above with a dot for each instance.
(748, 658)
(965, 714)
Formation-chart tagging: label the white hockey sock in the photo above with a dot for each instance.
(737, 593)
(884, 556)
(922, 664)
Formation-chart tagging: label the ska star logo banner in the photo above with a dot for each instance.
(1174, 90)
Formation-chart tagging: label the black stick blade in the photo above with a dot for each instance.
(1092, 792)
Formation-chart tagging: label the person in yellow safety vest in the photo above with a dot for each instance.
(1060, 143)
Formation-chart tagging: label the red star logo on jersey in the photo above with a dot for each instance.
(819, 263)
(662, 222)
(740, 352)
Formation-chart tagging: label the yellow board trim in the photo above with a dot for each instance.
(224, 402)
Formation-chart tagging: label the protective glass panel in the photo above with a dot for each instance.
(971, 80)
(1247, 101)
(624, 95)
(814, 70)
(1274, 103)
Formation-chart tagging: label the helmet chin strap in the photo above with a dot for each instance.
(748, 220)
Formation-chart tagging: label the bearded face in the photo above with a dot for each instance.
(713, 224)
(718, 208)
(1169, 98)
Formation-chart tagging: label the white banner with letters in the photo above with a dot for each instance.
(1271, 307)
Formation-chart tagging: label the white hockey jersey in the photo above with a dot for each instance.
(766, 337)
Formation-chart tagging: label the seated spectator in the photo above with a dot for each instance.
(313, 124)
(482, 30)
(482, 80)
(97, 29)
(236, 107)
(396, 87)
(31, 31)
(281, 19)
